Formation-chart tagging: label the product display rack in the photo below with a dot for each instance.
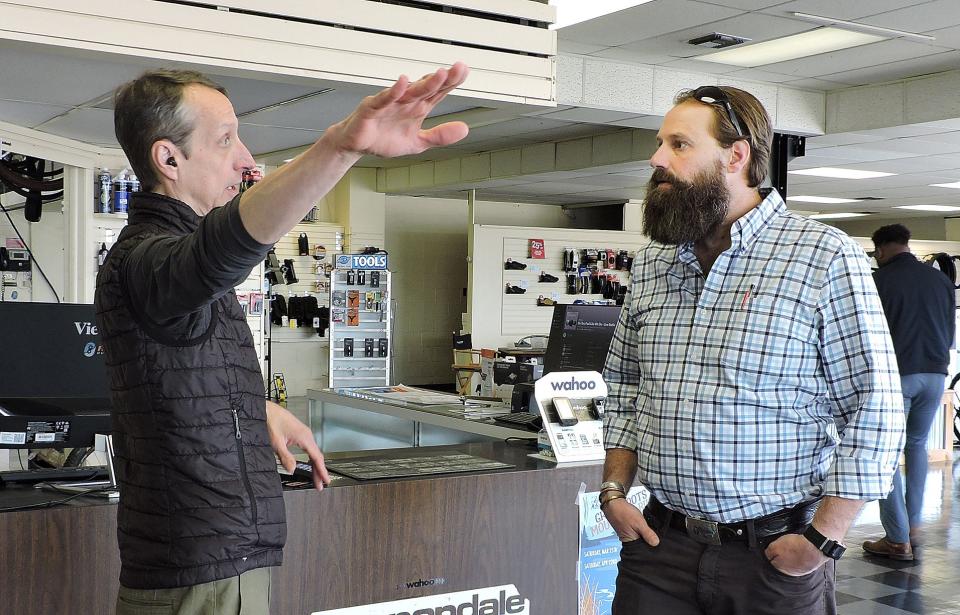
(361, 344)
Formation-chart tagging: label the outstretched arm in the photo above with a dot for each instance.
(387, 124)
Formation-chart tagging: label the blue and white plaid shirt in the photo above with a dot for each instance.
(771, 382)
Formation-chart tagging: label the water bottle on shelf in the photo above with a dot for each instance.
(134, 184)
(121, 194)
(102, 197)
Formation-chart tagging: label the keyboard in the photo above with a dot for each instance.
(521, 420)
(43, 475)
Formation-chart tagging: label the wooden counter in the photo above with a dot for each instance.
(353, 544)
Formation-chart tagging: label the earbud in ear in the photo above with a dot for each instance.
(171, 162)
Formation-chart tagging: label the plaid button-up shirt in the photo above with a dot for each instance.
(770, 382)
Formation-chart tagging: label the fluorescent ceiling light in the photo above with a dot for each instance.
(838, 173)
(953, 185)
(821, 199)
(570, 12)
(928, 207)
(837, 216)
(821, 40)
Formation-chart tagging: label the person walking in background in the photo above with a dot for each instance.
(920, 306)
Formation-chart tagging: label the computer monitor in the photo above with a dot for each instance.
(53, 381)
(580, 337)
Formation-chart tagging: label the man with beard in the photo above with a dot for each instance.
(753, 386)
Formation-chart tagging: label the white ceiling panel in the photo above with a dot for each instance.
(28, 114)
(759, 74)
(617, 180)
(626, 54)
(640, 22)
(565, 46)
(586, 114)
(811, 83)
(249, 94)
(841, 138)
(561, 188)
(88, 125)
(947, 37)
(934, 15)
(853, 58)
(755, 26)
(265, 139)
(933, 63)
(746, 5)
(911, 146)
(314, 113)
(842, 9)
(27, 73)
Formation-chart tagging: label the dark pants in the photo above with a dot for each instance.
(684, 577)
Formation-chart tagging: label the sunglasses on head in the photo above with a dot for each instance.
(712, 95)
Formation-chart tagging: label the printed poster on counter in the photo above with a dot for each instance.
(499, 600)
(600, 553)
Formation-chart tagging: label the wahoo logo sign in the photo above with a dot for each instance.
(501, 600)
(574, 385)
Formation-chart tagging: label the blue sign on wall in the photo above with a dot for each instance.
(362, 261)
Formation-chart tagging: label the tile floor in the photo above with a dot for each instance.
(929, 584)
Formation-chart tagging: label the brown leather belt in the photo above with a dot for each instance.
(713, 533)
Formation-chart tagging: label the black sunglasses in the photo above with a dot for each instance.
(712, 95)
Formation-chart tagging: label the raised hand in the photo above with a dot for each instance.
(390, 123)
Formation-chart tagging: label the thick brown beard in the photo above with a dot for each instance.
(687, 211)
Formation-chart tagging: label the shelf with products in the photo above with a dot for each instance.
(360, 322)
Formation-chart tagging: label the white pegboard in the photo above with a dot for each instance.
(521, 312)
(498, 319)
(305, 267)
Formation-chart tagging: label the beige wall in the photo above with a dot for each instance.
(427, 242)
(933, 229)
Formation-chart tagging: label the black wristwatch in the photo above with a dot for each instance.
(830, 548)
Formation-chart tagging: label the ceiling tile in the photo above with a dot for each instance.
(755, 26)
(249, 94)
(89, 125)
(565, 46)
(931, 16)
(640, 22)
(945, 60)
(314, 113)
(626, 54)
(817, 84)
(65, 78)
(28, 114)
(586, 114)
(947, 37)
(842, 9)
(746, 5)
(265, 139)
(864, 56)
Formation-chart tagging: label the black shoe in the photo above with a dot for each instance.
(512, 264)
(515, 290)
(546, 277)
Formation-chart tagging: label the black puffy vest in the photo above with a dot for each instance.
(200, 498)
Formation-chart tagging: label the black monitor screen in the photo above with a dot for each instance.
(51, 350)
(580, 337)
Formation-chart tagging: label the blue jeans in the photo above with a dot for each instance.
(921, 400)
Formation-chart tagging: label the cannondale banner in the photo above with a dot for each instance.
(500, 600)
